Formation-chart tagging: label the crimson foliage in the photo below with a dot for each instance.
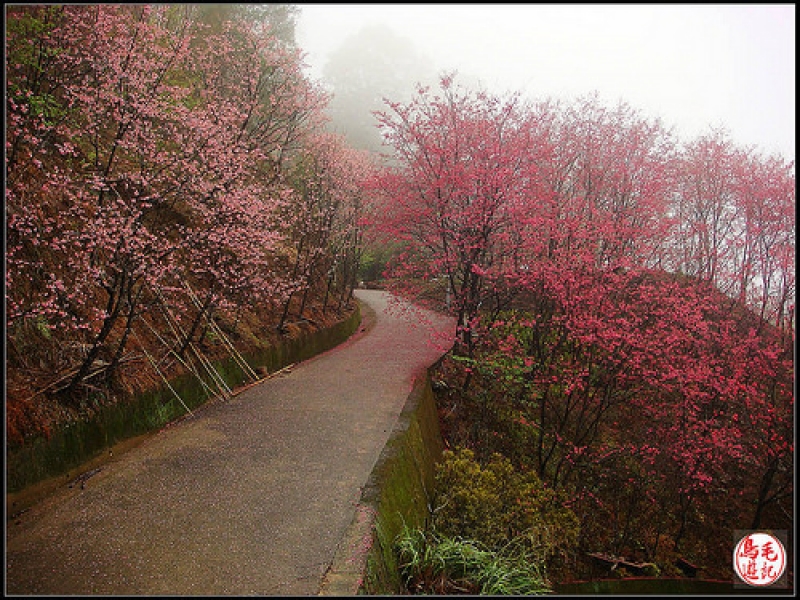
(625, 307)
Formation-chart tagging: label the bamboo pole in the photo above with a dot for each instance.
(101, 366)
(171, 350)
(223, 388)
(164, 379)
(237, 357)
(286, 369)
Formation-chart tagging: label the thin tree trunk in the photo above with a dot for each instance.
(285, 313)
(113, 307)
(133, 303)
(763, 493)
(195, 324)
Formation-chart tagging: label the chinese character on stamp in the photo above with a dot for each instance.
(759, 559)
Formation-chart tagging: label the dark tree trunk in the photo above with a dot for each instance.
(113, 307)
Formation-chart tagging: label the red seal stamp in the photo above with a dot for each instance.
(759, 559)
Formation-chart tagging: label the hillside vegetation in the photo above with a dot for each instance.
(625, 307)
(171, 191)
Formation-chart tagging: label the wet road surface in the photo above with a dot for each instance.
(246, 497)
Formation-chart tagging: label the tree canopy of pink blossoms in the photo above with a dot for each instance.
(151, 148)
(625, 300)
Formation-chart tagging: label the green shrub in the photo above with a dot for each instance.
(651, 570)
(497, 505)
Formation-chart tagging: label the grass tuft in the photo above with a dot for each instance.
(434, 564)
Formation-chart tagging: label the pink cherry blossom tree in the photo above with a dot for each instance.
(463, 172)
(145, 150)
(322, 221)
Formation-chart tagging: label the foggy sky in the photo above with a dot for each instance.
(694, 66)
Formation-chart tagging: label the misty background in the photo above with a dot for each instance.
(693, 66)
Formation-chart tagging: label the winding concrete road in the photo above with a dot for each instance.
(247, 497)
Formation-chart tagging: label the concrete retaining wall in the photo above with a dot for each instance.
(396, 495)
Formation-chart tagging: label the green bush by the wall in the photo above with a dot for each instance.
(497, 505)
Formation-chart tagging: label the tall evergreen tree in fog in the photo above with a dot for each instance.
(282, 18)
(373, 64)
